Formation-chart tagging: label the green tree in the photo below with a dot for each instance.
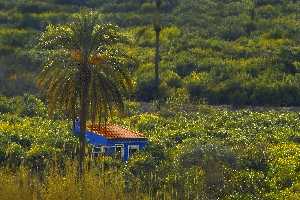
(84, 72)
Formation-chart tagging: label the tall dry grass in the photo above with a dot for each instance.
(57, 184)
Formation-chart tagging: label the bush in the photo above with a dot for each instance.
(268, 12)
(7, 105)
(234, 27)
(147, 122)
(185, 69)
(132, 108)
(178, 99)
(172, 79)
(14, 154)
(145, 90)
(197, 84)
(39, 155)
(15, 37)
(246, 184)
(33, 107)
(148, 7)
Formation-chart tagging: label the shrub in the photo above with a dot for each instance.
(147, 122)
(33, 107)
(145, 90)
(132, 107)
(38, 156)
(172, 79)
(6, 105)
(197, 84)
(179, 98)
(15, 37)
(268, 12)
(147, 7)
(14, 154)
(185, 69)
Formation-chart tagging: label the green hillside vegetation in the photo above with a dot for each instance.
(223, 52)
(216, 56)
(200, 152)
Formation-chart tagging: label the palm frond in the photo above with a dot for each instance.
(89, 48)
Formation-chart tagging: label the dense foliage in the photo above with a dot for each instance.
(239, 52)
(219, 153)
(225, 52)
(26, 136)
(195, 152)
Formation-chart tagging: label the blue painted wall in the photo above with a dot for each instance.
(141, 143)
(98, 140)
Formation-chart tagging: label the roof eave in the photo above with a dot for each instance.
(126, 138)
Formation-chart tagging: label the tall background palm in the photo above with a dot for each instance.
(84, 72)
(157, 26)
(157, 29)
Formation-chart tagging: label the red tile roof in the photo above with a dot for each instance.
(113, 131)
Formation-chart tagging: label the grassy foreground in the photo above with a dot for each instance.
(57, 184)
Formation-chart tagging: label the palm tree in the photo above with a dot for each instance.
(157, 26)
(252, 6)
(157, 29)
(84, 72)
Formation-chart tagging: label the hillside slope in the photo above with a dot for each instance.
(226, 52)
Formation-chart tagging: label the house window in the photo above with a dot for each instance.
(97, 150)
(119, 151)
(132, 149)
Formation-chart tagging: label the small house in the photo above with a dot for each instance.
(113, 140)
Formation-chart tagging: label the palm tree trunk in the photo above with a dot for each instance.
(251, 26)
(252, 14)
(83, 119)
(84, 106)
(157, 61)
(157, 28)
